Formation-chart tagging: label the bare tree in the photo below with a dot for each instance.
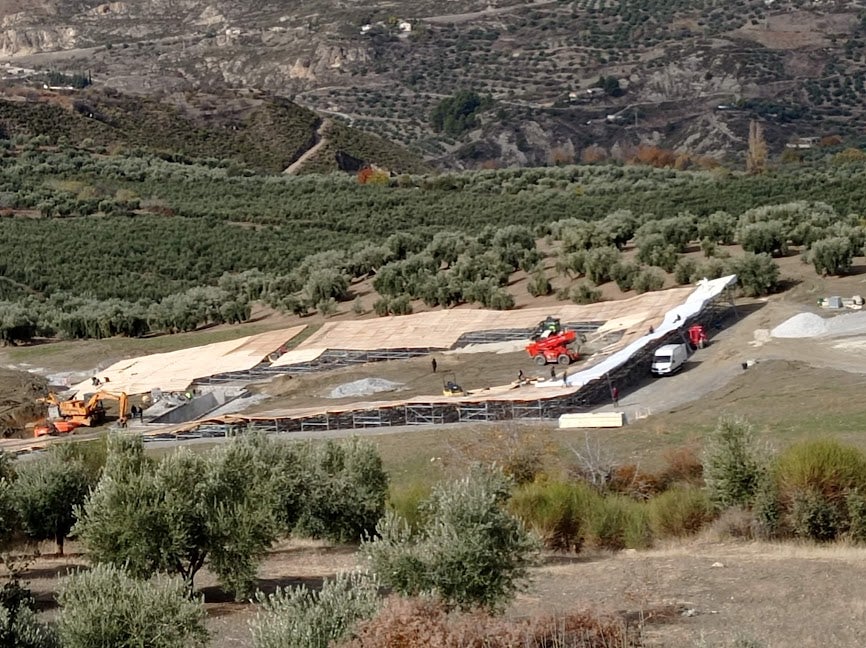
(594, 464)
(756, 162)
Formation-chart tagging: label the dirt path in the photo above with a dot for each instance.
(489, 11)
(321, 140)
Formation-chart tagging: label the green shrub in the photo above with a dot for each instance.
(757, 274)
(814, 517)
(500, 299)
(47, 490)
(609, 518)
(733, 463)
(538, 284)
(832, 256)
(104, 606)
(710, 269)
(302, 618)
(406, 502)
(571, 264)
(680, 511)
(709, 247)
(623, 274)
(343, 490)
(19, 626)
(600, 262)
(583, 293)
(555, 512)
(380, 306)
(769, 514)
(470, 551)
(638, 527)
(856, 504)
(400, 305)
(684, 270)
(821, 466)
(767, 237)
(647, 280)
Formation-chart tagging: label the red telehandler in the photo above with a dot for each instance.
(550, 343)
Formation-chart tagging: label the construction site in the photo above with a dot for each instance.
(425, 369)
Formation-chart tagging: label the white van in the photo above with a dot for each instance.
(669, 359)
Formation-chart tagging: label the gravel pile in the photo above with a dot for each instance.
(364, 387)
(801, 326)
(848, 324)
(806, 325)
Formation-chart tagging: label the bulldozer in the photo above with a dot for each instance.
(66, 415)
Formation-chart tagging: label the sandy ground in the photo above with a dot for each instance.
(777, 595)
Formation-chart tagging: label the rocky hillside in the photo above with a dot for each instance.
(567, 80)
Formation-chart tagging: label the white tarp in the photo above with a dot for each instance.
(706, 291)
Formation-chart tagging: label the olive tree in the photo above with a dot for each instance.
(298, 617)
(600, 263)
(343, 490)
(184, 511)
(105, 606)
(832, 256)
(757, 274)
(768, 237)
(469, 550)
(719, 227)
(46, 492)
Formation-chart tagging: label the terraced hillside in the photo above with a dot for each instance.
(568, 80)
(257, 132)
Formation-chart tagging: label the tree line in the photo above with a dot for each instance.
(144, 244)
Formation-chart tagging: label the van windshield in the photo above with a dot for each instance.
(662, 359)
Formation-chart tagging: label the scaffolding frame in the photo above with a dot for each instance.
(424, 414)
(475, 412)
(370, 418)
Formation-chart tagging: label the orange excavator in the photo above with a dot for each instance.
(66, 415)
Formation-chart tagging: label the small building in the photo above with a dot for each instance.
(404, 26)
(802, 143)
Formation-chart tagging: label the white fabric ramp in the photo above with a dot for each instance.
(707, 290)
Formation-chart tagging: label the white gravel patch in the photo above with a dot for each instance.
(803, 325)
(364, 387)
(807, 325)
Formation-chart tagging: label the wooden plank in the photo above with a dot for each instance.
(592, 420)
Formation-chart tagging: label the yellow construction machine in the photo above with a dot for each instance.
(90, 411)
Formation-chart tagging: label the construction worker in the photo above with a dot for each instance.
(552, 372)
(614, 394)
(520, 376)
(433, 364)
(565, 378)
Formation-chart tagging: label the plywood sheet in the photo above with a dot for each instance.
(442, 328)
(175, 370)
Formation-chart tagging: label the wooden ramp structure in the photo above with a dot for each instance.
(636, 327)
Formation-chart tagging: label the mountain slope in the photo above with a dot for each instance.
(665, 66)
(263, 133)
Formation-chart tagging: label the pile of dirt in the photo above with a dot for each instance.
(18, 407)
